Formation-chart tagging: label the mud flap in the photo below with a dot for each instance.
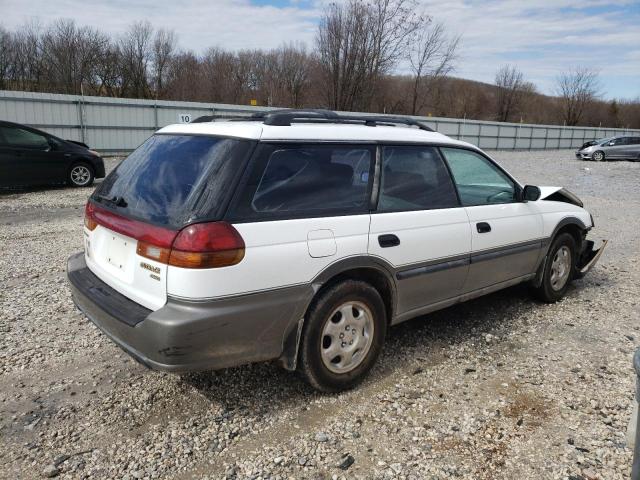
(589, 257)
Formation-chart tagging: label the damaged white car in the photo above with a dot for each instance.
(302, 236)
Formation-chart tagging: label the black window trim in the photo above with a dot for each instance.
(232, 216)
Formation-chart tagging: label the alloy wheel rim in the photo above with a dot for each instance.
(80, 175)
(560, 268)
(347, 337)
(597, 156)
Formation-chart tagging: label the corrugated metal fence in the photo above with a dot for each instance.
(117, 125)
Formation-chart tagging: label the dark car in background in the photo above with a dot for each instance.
(30, 157)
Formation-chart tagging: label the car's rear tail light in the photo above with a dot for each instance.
(89, 217)
(202, 245)
(207, 245)
(153, 252)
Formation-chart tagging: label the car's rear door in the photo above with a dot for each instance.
(419, 227)
(631, 148)
(32, 160)
(506, 234)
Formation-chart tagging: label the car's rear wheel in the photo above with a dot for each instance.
(559, 269)
(598, 156)
(343, 335)
(80, 175)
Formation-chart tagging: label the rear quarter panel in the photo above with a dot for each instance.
(278, 254)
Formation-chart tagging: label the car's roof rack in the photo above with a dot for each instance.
(285, 117)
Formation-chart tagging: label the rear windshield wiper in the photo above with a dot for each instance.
(115, 200)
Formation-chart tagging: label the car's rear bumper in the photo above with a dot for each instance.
(186, 335)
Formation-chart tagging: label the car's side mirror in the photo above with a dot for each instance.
(611, 144)
(531, 193)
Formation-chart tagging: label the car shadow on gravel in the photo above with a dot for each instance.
(269, 386)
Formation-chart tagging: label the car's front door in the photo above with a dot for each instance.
(506, 234)
(30, 157)
(419, 227)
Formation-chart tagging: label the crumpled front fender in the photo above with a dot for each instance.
(589, 257)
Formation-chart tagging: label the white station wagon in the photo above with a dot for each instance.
(302, 236)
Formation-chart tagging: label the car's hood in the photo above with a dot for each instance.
(559, 194)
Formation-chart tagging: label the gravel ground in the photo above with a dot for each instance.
(501, 387)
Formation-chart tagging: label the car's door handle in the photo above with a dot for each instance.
(483, 227)
(388, 240)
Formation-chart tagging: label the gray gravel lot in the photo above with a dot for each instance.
(501, 387)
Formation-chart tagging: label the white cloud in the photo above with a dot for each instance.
(541, 37)
(233, 24)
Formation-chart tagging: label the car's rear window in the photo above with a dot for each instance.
(171, 180)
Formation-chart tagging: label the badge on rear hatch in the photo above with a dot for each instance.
(155, 270)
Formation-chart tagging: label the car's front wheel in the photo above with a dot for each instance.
(559, 269)
(343, 335)
(80, 175)
(598, 156)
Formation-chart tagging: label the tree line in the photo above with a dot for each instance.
(370, 56)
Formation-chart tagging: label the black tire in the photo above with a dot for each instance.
(598, 156)
(313, 341)
(547, 292)
(80, 175)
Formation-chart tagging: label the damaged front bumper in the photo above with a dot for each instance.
(589, 257)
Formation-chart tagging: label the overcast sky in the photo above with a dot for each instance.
(541, 37)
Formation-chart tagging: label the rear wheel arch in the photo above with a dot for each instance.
(376, 275)
(356, 268)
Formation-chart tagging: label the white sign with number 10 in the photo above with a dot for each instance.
(184, 118)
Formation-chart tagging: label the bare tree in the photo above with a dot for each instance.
(135, 50)
(358, 43)
(511, 92)
(6, 57)
(218, 75)
(295, 69)
(108, 71)
(70, 56)
(164, 45)
(27, 57)
(432, 57)
(577, 89)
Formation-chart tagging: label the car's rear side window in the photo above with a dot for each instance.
(171, 180)
(18, 137)
(289, 181)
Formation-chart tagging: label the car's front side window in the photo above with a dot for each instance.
(307, 180)
(17, 137)
(414, 178)
(478, 180)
